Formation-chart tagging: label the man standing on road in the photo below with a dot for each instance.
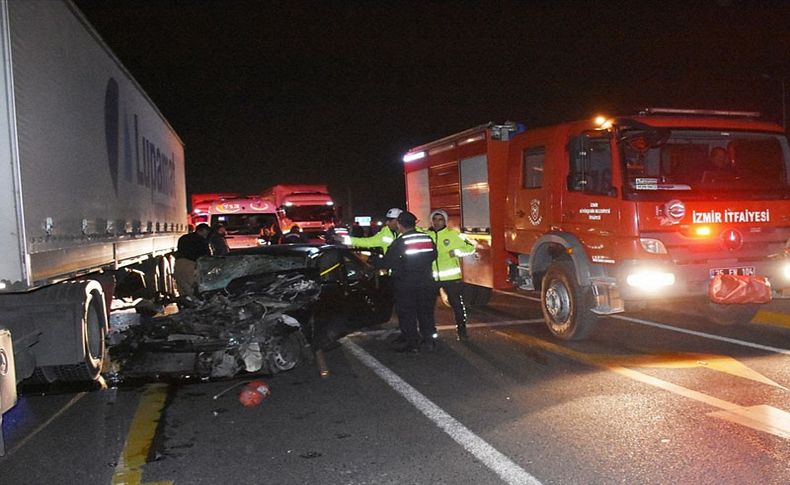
(451, 246)
(410, 258)
(217, 241)
(385, 237)
(190, 247)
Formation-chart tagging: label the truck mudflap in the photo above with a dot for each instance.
(739, 289)
(606, 296)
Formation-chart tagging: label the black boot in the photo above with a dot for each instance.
(462, 335)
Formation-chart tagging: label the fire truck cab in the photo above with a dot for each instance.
(603, 216)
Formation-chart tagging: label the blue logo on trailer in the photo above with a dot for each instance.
(111, 129)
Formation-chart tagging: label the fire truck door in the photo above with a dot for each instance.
(531, 202)
(589, 202)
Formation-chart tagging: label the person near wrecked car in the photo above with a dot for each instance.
(451, 246)
(294, 236)
(385, 237)
(191, 246)
(218, 242)
(410, 259)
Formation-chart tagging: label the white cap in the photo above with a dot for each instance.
(393, 213)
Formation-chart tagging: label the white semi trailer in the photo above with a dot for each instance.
(92, 191)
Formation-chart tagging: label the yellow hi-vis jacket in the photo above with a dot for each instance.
(381, 239)
(451, 246)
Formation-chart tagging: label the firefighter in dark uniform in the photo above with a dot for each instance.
(410, 258)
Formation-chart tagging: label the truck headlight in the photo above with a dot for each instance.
(786, 270)
(649, 279)
(653, 246)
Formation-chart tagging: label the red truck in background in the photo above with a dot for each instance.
(201, 203)
(616, 214)
(308, 206)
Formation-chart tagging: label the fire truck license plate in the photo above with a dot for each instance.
(742, 270)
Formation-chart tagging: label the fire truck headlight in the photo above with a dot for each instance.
(653, 246)
(648, 279)
(786, 270)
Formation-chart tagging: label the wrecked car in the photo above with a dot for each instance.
(262, 310)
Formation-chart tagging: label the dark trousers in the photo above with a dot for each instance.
(414, 305)
(454, 290)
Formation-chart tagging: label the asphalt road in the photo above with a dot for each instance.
(655, 397)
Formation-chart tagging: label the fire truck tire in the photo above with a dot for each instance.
(729, 315)
(93, 323)
(567, 307)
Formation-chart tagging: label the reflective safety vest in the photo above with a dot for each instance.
(451, 246)
(381, 239)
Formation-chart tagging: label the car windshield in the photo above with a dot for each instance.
(244, 224)
(323, 213)
(705, 164)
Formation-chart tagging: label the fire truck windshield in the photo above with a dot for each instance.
(245, 224)
(706, 164)
(323, 213)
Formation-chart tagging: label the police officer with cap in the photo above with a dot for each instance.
(410, 258)
(385, 237)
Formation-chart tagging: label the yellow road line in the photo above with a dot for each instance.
(763, 418)
(772, 318)
(129, 470)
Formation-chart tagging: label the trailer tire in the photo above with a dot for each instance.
(44, 375)
(729, 315)
(152, 269)
(167, 282)
(93, 326)
(567, 306)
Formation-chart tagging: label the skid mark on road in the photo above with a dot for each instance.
(762, 417)
(129, 470)
(503, 466)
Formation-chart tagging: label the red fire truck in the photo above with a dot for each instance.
(610, 215)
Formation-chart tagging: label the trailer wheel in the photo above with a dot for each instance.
(153, 278)
(729, 315)
(167, 281)
(566, 305)
(93, 325)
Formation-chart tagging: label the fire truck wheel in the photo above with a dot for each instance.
(566, 305)
(729, 315)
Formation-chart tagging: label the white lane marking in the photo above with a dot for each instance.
(504, 323)
(702, 334)
(503, 466)
(44, 425)
(676, 329)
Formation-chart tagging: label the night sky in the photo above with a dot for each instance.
(266, 92)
